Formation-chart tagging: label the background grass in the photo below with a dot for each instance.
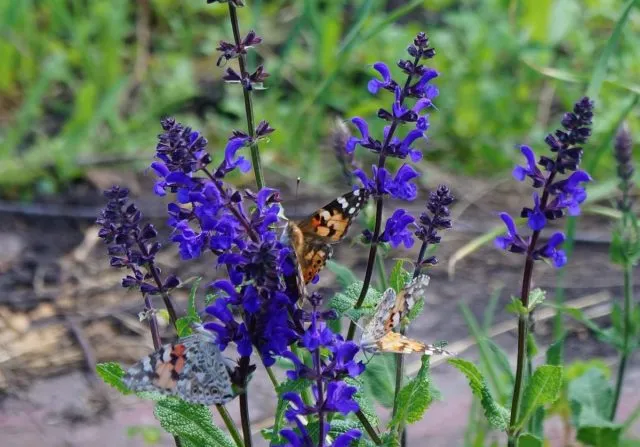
(86, 82)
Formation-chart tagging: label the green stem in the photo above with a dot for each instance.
(624, 355)
(248, 107)
(243, 365)
(382, 275)
(228, 422)
(369, 428)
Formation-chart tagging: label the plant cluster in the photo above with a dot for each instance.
(262, 318)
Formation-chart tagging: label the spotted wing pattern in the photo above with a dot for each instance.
(192, 369)
(312, 238)
(378, 335)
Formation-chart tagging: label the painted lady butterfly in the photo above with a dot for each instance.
(378, 335)
(312, 238)
(192, 369)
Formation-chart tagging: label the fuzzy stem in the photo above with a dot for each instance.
(379, 205)
(624, 355)
(228, 422)
(248, 107)
(369, 428)
(244, 402)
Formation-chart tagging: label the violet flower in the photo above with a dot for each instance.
(331, 393)
(558, 197)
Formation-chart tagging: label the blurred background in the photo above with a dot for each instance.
(83, 86)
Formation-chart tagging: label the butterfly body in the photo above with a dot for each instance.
(192, 369)
(378, 335)
(313, 238)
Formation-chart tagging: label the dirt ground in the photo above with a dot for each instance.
(62, 310)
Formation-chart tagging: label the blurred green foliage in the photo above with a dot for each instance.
(83, 82)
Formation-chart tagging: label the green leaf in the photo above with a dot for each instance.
(379, 379)
(344, 275)
(363, 400)
(543, 388)
(112, 373)
(555, 352)
(390, 440)
(192, 310)
(536, 297)
(516, 307)
(343, 302)
(416, 310)
(190, 423)
(415, 397)
(528, 440)
(600, 70)
(590, 394)
(399, 276)
(600, 435)
(496, 414)
(296, 386)
(183, 325)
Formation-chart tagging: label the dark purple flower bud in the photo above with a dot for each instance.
(623, 152)
(263, 129)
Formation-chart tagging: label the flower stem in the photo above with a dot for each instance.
(244, 402)
(320, 391)
(228, 422)
(379, 205)
(522, 338)
(369, 428)
(624, 355)
(248, 107)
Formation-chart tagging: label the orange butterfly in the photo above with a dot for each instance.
(312, 238)
(378, 335)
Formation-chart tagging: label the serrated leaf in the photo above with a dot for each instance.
(415, 397)
(528, 440)
(590, 394)
(516, 307)
(112, 373)
(379, 379)
(344, 275)
(416, 310)
(496, 414)
(183, 326)
(390, 440)
(399, 276)
(296, 386)
(190, 423)
(600, 435)
(343, 302)
(192, 310)
(543, 388)
(363, 400)
(536, 296)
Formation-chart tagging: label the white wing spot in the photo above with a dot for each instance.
(356, 192)
(352, 210)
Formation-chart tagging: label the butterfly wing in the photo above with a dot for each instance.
(312, 237)
(406, 300)
(376, 328)
(399, 344)
(331, 222)
(192, 369)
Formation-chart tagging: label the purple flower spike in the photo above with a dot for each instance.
(401, 187)
(387, 82)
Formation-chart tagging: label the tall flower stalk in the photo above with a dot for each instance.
(559, 197)
(436, 217)
(381, 184)
(625, 250)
